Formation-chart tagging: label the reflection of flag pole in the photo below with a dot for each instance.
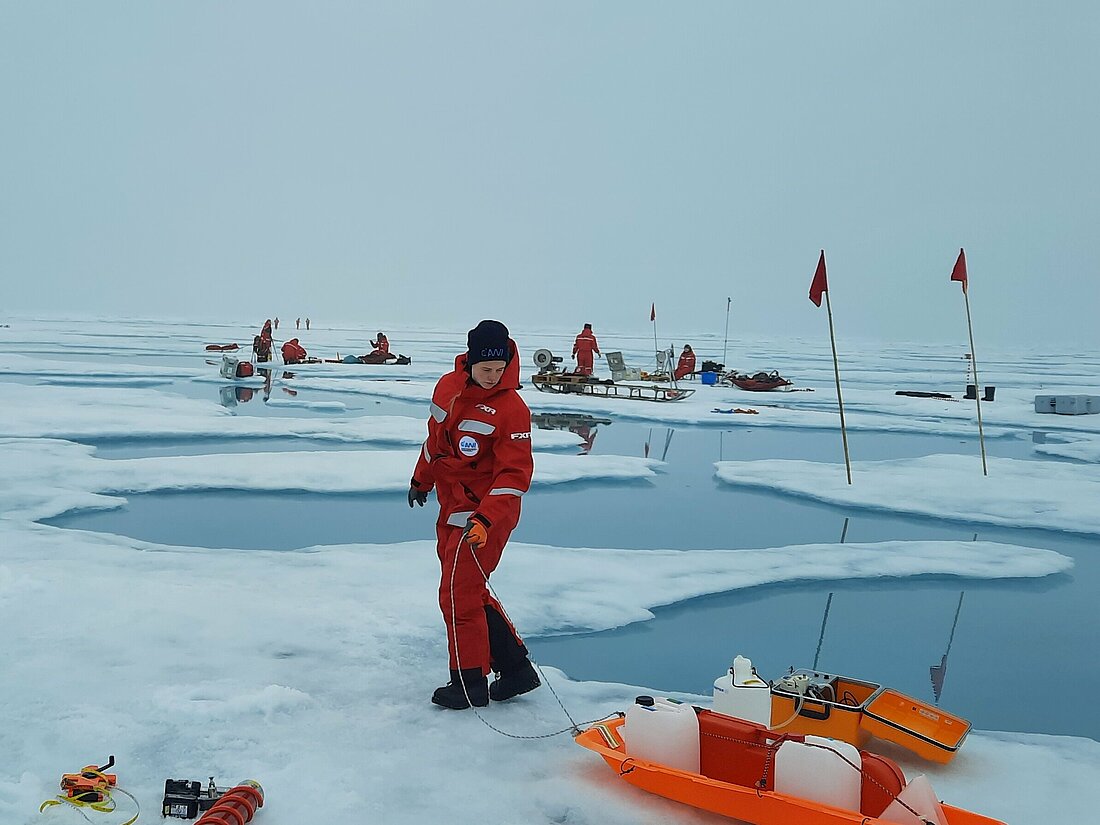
(824, 621)
(818, 286)
(725, 344)
(828, 604)
(959, 274)
(939, 672)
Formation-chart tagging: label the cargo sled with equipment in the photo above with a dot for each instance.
(758, 381)
(742, 770)
(550, 378)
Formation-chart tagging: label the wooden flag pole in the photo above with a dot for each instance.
(653, 318)
(725, 343)
(839, 399)
(977, 385)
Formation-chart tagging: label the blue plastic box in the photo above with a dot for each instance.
(709, 378)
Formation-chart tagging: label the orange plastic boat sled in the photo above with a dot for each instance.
(738, 775)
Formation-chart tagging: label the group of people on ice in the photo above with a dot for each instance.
(293, 352)
(585, 347)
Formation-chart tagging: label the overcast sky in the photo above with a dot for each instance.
(555, 163)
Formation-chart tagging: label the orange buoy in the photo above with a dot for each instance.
(237, 805)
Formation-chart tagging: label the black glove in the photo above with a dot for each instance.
(417, 496)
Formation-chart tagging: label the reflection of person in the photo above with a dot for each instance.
(686, 365)
(381, 345)
(583, 347)
(267, 374)
(477, 457)
(588, 436)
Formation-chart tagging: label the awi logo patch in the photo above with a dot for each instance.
(468, 446)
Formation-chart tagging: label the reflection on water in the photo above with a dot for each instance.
(583, 425)
(232, 395)
(939, 672)
(889, 631)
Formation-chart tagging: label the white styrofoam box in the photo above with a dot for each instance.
(1071, 404)
(1044, 403)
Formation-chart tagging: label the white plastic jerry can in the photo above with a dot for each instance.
(663, 731)
(743, 694)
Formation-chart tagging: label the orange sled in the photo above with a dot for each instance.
(736, 777)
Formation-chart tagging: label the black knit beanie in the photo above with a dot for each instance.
(488, 341)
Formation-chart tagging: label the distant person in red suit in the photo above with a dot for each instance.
(686, 365)
(293, 352)
(262, 343)
(381, 345)
(583, 349)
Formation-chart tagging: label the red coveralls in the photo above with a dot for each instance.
(381, 346)
(583, 348)
(293, 352)
(478, 458)
(261, 345)
(686, 364)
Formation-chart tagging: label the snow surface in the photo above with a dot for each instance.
(103, 414)
(1015, 493)
(310, 670)
(1082, 448)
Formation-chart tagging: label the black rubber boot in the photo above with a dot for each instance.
(453, 696)
(512, 683)
(506, 652)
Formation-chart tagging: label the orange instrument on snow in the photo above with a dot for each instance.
(91, 784)
(91, 788)
(236, 806)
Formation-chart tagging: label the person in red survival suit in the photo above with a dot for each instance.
(686, 365)
(262, 344)
(381, 345)
(583, 348)
(293, 352)
(477, 457)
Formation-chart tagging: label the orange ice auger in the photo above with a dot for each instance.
(237, 805)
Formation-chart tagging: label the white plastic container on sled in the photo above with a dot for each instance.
(663, 731)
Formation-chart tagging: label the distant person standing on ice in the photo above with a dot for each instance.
(262, 343)
(276, 322)
(583, 348)
(297, 323)
(686, 365)
(307, 324)
(477, 457)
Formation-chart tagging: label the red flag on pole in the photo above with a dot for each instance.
(819, 283)
(653, 312)
(959, 272)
